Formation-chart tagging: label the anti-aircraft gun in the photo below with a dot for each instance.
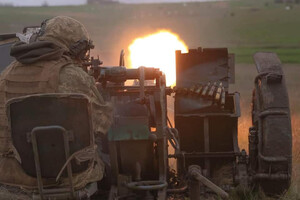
(204, 137)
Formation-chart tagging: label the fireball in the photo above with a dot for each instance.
(157, 50)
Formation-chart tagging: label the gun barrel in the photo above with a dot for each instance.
(121, 74)
(150, 73)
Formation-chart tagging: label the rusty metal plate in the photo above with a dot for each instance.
(200, 66)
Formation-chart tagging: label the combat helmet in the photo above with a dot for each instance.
(67, 33)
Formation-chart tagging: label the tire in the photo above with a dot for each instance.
(271, 120)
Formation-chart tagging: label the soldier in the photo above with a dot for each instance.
(50, 63)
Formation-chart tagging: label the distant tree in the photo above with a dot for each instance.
(101, 1)
(6, 5)
(45, 4)
(286, 1)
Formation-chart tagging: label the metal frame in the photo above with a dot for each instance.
(43, 192)
(159, 94)
(189, 87)
(55, 192)
(181, 156)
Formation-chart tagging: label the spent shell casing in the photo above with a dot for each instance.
(218, 92)
(198, 90)
(193, 88)
(212, 89)
(223, 97)
(205, 89)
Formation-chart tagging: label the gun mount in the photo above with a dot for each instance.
(137, 139)
(206, 121)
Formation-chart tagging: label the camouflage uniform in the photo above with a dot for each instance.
(72, 77)
(75, 80)
(59, 33)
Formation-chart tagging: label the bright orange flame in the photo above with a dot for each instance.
(157, 50)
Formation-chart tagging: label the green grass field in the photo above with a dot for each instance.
(245, 26)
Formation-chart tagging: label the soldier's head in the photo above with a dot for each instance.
(67, 33)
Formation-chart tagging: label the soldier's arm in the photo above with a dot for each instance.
(75, 80)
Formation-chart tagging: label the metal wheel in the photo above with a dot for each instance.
(271, 144)
(147, 185)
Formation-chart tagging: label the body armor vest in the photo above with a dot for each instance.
(20, 80)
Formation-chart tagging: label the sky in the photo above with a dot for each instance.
(41, 2)
(80, 2)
